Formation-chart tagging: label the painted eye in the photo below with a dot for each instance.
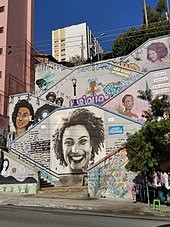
(82, 142)
(69, 143)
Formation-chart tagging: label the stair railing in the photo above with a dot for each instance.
(44, 171)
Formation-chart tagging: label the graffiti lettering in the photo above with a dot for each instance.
(45, 66)
(96, 99)
(114, 88)
(103, 66)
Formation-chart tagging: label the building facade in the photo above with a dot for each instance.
(74, 41)
(16, 36)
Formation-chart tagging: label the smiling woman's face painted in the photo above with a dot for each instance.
(77, 147)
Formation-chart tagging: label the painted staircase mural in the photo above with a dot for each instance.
(60, 140)
(16, 175)
(127, 102)
(47, 74)
(109, 177)
(25, 110)
(96, 83)
(153, 54)
(69, 140)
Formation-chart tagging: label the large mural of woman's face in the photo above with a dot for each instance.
(78, 140)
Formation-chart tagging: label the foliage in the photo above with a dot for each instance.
(159, 108)
(150, 145)
(134, 37)
(77, 60)
(107, 55)
(140, 153)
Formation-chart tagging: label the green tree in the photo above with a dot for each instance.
(134, 37)
(148, 147)
(161, 10)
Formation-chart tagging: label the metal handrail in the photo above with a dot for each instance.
(44, 171)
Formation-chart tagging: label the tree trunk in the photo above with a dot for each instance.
(147, 191)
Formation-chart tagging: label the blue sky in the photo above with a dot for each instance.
(109, 16)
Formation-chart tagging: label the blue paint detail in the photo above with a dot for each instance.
(116, 130)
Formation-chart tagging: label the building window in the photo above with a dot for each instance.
(1, 29)
(2, 9)
(1, 51)
(0, 74)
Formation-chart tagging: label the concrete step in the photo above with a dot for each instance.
(64, 192)
(45, 184)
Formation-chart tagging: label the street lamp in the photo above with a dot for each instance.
(99, 47)
(74, 81)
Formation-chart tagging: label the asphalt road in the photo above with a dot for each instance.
(14, 216)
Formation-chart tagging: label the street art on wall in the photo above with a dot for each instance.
(69, 140)
(47, 74)
(127, 102)
(153, 54)
(110, 178)
(16, 175)
(95, 83)
(78, 140)
(25, 110)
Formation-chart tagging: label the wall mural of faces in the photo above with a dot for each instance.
(149, 56)
(91, 83)
(27, 110)
(71, 140)
(128, 103)
(78, 140)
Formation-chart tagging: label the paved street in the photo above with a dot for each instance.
(52, 217)
(102, 205)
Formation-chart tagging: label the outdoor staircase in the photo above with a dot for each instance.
(72, 192)
(45, 184)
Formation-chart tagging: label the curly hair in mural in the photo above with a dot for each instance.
(156, 52)
(59, 101)
(22, 116)
(79, 139)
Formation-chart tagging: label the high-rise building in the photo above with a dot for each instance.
(74, 41)
(16, 36)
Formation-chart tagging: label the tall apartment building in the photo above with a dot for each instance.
(16, 36)
(75, 40)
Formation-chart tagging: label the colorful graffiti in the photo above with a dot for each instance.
(110, 178)
(127, 101)
(91, 81)
(85, 100)
(113, 89)
(151, 55)
(16, 176)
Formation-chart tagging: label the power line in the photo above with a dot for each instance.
(22, 49)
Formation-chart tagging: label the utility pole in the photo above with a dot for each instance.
(145, 11)
(167, 13)
(82, 49)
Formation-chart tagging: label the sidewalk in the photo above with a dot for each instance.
(114, 206)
